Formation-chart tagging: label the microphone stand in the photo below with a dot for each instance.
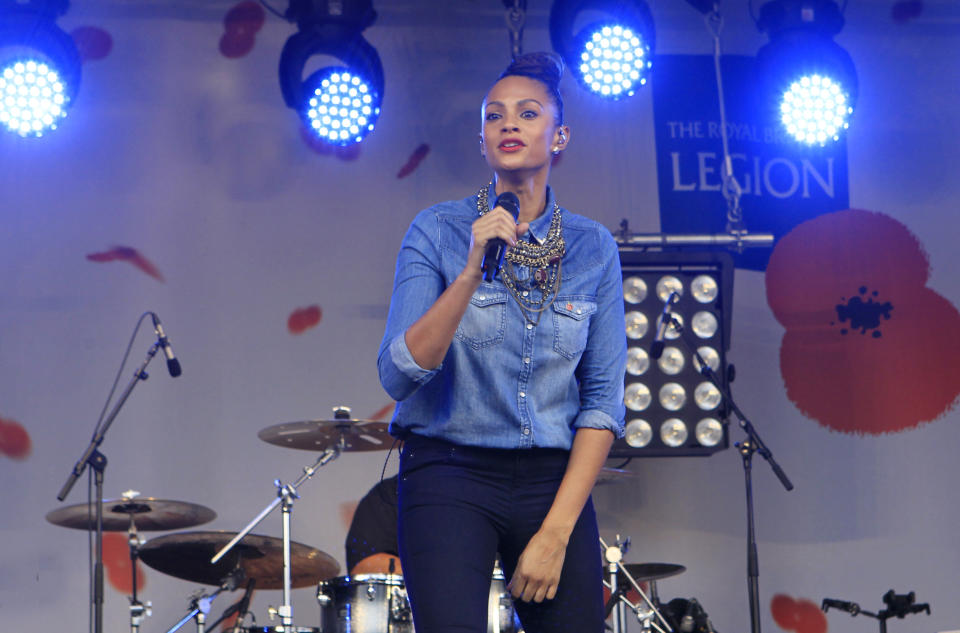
(753, 444)
(618, 602)
(286, 494)
(98, 463)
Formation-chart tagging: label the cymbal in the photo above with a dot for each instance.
(318, 435)
(187, 555)
(611, 475)
(148, 515)
(643, 572)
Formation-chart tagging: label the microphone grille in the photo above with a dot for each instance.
(509, 201)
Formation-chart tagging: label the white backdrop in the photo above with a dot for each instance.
(192, 159)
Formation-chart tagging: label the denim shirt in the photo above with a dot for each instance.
(504, 382)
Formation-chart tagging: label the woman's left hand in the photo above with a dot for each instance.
(538, 569)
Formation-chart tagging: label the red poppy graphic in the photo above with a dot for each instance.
(15, 442)
(127, 254)
(240, 29)
(302, 319)
(346, 510)
(92, 42)
(116, 560)
(868, 347)
(414, 161)
(384, 411)
(801, 616)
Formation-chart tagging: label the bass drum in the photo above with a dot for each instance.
(377, 603)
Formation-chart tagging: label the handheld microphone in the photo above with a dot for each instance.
(493, 257)
(173, 365)
(656, 350)
(850, 607)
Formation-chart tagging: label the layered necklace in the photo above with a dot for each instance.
(537, 290)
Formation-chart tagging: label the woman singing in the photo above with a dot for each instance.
(510, 392)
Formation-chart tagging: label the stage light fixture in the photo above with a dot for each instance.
(339, 104)
(39, 66)
(673, 410)
(612, 55)
(811, 77)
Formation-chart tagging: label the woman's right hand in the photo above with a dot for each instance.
(498, 223)
(430, 336)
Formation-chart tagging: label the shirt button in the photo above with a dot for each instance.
(525, 293)
(529, 326)
(523, 394)
(481, 297)
(579, 311)
(526, 431)
(526, 360)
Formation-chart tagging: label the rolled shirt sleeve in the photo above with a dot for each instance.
(417, 284)
(601, 368)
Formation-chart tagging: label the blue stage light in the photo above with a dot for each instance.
(339, 104)
(810, 78)
(341, 108)
(815, 109)
(32, 99)
(39, 67)
(611, 57)
(614, 60)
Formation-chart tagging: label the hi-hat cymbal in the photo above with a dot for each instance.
(643, 572)
(146, 513)
(187, 555)
(319, 435)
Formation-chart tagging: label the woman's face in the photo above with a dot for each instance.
(520, 128)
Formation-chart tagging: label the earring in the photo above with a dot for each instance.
(563, 137)
(556, 150)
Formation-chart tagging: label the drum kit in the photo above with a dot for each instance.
(364, 603)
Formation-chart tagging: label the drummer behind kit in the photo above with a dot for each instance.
(361, 603)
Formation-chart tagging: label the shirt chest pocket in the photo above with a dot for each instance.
(571, 324)
(484, 321)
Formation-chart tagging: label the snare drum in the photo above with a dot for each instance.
(377, 603)
(501, 617)
(365, 603)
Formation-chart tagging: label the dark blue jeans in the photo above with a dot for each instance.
(459, 507)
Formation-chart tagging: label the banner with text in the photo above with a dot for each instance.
(783, 182)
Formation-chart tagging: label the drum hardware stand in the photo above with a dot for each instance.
(138, 610)
(240, 607)
(200, 605)
(753, 444)
(618, 602)
(286, 494)
(98, 463)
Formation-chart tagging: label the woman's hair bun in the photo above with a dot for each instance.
(545, 67)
